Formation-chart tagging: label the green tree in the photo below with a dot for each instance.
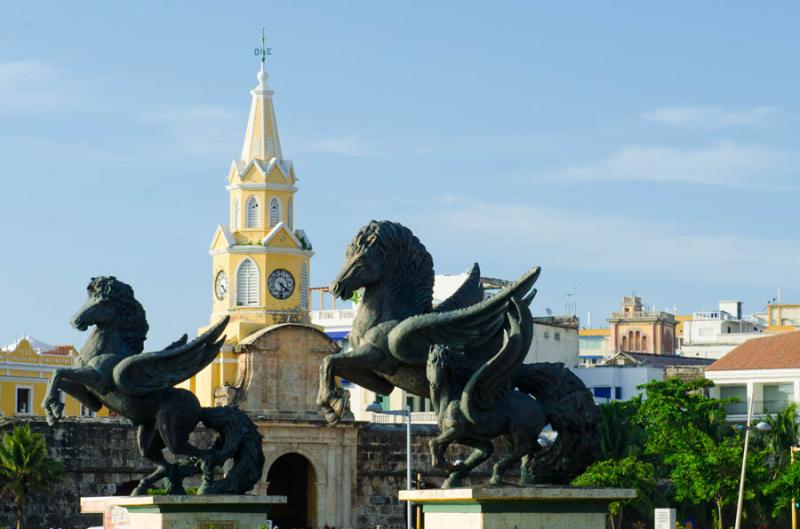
(620, 435)
(784, 488)
(698, 450)
(25, 468)
(627, 473)
(781, 437)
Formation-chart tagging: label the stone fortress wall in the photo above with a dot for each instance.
(101, 459)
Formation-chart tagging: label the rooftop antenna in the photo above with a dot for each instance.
(263, 51)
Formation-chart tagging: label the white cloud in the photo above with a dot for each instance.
(198, 130)
(711, 115)
(28, 85)
(591, 241)
(725, 164)
(348, 145)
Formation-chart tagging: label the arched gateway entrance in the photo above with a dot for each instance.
(292, 475)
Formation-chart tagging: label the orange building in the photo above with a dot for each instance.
(638, 330)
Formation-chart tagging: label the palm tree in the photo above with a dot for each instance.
(25, 467)
(781, 437)
(620, 436)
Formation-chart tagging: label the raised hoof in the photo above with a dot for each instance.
(140, 490)
(452, 482)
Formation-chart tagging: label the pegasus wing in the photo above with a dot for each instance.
(464, 329)
(149, 372)
(469, 293)
(492, 381)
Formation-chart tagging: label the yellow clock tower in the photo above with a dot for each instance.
(260, 262)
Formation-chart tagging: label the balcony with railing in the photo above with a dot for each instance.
(738, 409)
(643, 315)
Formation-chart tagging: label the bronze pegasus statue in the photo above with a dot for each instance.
(397, 325)
(475, 404)
(113, 371)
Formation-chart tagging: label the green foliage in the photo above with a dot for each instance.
(783, 488)
(25, 467)
(781, 437)
(620, 435)
(626, 473)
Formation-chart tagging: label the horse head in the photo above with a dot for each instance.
(384, 251)
(438, 357)
(111, 303)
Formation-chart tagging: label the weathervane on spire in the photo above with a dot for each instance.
(263, 51)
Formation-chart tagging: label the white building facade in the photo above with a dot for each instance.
(713, 334)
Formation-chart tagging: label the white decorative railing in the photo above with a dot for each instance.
(332, 315)
(417, 417)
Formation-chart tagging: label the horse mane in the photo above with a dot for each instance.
(134, 323)
(406, 256)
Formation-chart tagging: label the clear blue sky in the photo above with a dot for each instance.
(620, 145)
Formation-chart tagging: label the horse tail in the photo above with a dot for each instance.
(239, 439)
(571, 412)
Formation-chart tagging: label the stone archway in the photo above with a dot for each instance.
(293, 476)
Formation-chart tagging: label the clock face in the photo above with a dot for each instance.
(221, 285)
(281, 283)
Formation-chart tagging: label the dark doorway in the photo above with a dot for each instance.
(291, 475)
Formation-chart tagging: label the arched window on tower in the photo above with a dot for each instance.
(637, 343)
(274, 211)
(290, 214)
(624, 344)
(270, 147)
(247, 284)
(304, 286)
(644, 343)
(236, 214)
(252, 213)
(630, 341)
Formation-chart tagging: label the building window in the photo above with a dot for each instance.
(644, 344)
(271, 147)
(557, 336)
(624, 343)
(546, 335)
(24, 401)
(257, 148)
(252, 213)
(304, 286)
(290, 214)
(637, 344)
(274, 211)
(236, 214)
(247, 284)
(618, 393)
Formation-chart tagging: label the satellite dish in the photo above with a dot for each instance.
(549, 312)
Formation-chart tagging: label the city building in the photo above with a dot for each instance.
(26, 366)
(781, 317)
(640, 330)
(764, 370)
(712, 334)
(619, 377)
(594, 346)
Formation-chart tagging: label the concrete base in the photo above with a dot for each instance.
(539, 507)
(182, 512)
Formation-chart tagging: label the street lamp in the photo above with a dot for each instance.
(761, 427)
(376, 407)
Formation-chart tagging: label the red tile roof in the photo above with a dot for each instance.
(781, 351)
(63, 350)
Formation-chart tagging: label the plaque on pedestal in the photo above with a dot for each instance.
(536, 507)
(182, 512)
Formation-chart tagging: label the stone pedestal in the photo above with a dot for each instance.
(538, 507)
(182, 512)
